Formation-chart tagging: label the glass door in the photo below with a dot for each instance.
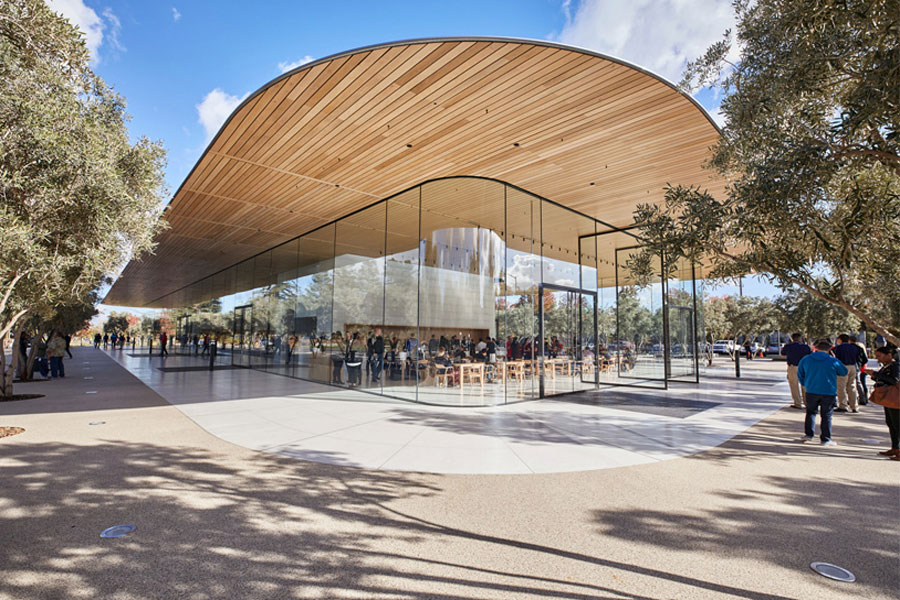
(587, 342)
(568, 325)
(243, 335)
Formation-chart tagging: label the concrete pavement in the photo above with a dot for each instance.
(215, 520)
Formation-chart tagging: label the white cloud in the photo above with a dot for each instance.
(659, 35)
(175, 14)
(114, 29)
(214, 109)
(82, 17)
(95, 28)
(285, 66)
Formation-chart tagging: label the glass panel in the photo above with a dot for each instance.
(358, 294)
(560, 325)
(461, 278)
(282, 300)
(401, 299)
(243, 314)
(639, 315)
(586, 358)
(521, 290)
(221, 336)
(263, 303)
(680, 305)
(314, 288)
(561, 231)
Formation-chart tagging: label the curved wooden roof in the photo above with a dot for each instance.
(324, 140)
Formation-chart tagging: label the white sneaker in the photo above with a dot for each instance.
(829, 443)
(806, 438)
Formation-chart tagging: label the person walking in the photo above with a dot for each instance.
(68, 340)
(97, 339)
(818, 373)
(377, 356)
(848, 354)
(885, 377)
(794, 353)
(56, 350)
(163, 339)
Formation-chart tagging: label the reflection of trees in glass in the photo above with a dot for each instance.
(637, 323)
(359, 293)
(520, 316)
(314, 299)
(681, 321)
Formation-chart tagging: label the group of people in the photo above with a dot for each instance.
(114, 339)
(200, 345)
(49, 354)
(396, 359)
(826, 378)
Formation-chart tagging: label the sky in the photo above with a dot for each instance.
(183, 67)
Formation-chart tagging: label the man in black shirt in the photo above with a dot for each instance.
(377, 356)
(794, 352)
(847, 353)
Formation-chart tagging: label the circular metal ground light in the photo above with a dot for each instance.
(833, 572)
(870, 441)
(117, 531)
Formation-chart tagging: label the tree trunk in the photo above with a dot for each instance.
(32, 353)
(6, 378)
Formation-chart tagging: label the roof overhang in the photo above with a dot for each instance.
(585, 130)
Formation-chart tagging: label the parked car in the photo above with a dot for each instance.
(774, 349)
(723, 347)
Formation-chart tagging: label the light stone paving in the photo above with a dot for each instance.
(314, 422)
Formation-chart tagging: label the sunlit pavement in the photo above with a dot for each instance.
(304, 420)
(215, 520)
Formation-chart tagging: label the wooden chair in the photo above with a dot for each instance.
(444, 376)
(516, 370)
(471, 371)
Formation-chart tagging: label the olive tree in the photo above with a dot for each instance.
(811, 153)
(77, 197)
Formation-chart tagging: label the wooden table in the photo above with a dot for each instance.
(471, 370)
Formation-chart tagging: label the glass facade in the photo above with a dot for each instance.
(461, 291)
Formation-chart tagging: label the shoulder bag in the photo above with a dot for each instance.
(886, 395)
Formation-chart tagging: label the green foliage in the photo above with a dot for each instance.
(803, 312)
(117, 323)
(811, 150)
(77, 198)
(730, 317)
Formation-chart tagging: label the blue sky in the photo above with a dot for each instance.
(183, 66)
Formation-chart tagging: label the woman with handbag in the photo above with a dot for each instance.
(887, 394)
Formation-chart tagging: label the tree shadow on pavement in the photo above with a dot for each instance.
(255, 526)
(785, 521)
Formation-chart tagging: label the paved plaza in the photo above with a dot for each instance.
(611, 428)
(303, 491)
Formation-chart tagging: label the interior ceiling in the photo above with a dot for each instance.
(586, 131)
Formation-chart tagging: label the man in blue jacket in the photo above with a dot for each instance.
(819, 373)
